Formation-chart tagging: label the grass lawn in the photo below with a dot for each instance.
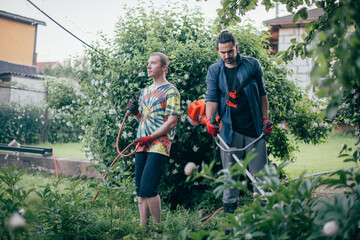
(310, 158)
(322, 157)
(71, 150)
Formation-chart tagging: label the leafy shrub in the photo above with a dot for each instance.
(188, 40)
(25, 124)
(349, 112)
(290, 211)
(64, 101)
(64, 214)
(13, 202)
(116, 197)
(61, 127)
(63, 94)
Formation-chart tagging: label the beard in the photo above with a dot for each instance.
(229, 60)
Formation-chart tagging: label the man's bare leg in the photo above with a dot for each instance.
(154, 204)
(144, 211)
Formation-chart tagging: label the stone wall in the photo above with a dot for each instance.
(27, 91)
(66, 166)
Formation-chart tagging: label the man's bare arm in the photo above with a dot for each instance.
(264, 106)
(211, 109)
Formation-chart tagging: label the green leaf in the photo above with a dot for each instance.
(309, 27)
(268, 4)
(293, 41)
(349, 160)
(303, 36)
(303, 13)
(322, 36)
(296, 17)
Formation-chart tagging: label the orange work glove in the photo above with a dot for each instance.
(144, 140)
(212, 126)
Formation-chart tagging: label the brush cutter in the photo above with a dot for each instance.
(197, 115)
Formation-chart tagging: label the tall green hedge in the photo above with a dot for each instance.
(188, 39)
(22, 124)
(26, 124)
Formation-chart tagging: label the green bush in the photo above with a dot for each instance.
(349, 112)
(13, 202)
(188, 40)
(26, 124)
(64, 214)
(61, 127)
(290, 210)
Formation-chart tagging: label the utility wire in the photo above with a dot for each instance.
(64, 28)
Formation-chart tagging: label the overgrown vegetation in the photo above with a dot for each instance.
(289, 210)
(64, 209)
(188, 40)
(26, 124)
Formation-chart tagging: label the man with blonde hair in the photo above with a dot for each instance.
(157, 112)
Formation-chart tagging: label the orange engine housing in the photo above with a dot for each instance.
(197, 109)
(197, 113)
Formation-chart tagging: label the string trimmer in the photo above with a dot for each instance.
(197, 115)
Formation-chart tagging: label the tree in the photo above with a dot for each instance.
(188, 40)
(333, 42)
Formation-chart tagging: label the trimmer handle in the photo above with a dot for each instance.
(214, 120)
(202, 119)
(133, 96)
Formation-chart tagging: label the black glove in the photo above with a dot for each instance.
(133, 106)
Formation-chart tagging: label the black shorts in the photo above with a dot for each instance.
(148, 170)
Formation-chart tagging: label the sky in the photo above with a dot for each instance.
(87, 18)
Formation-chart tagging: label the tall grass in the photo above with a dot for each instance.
(175, 223)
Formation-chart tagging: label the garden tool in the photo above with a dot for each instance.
(197, 115)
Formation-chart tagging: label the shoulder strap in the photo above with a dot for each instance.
(242, 86)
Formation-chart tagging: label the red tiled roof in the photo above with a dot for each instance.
(42, 65)
(313, 14)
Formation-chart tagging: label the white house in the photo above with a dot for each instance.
(282, 31)
(19, 81)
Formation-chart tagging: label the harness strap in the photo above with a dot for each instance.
(232, 98)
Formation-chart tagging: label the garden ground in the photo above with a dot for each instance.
(310, 158)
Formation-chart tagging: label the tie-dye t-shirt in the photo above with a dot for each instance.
(155, 105)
